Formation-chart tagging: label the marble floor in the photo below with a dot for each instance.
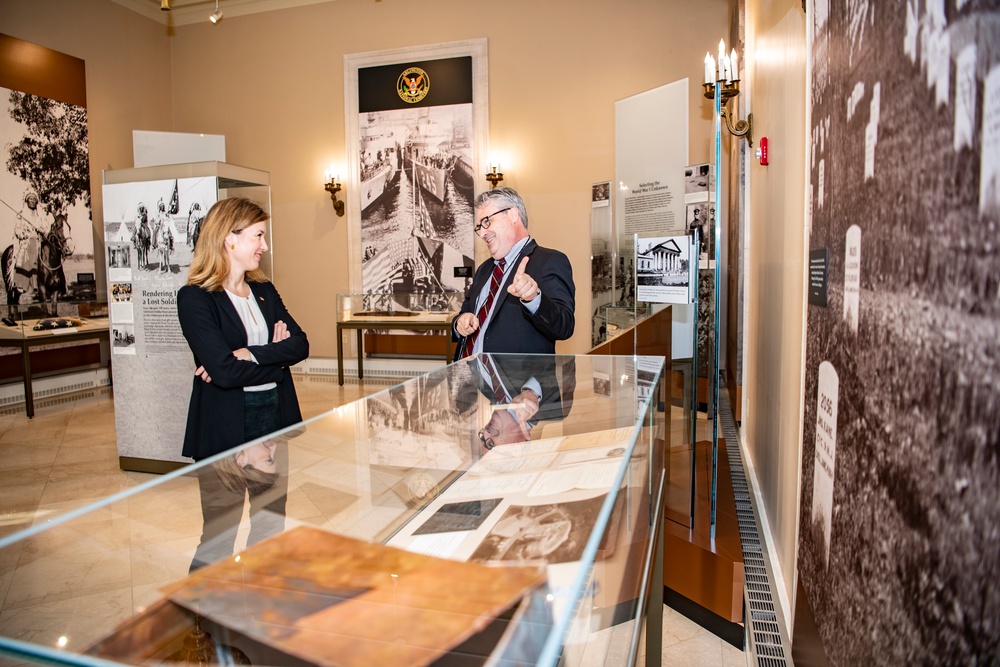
(66, 457)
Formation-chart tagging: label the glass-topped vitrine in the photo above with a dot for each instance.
(503, 509)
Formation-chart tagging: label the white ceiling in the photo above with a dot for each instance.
(184, 12)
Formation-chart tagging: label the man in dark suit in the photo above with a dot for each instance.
(533, 297)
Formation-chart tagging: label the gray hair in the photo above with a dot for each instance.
(504, 196)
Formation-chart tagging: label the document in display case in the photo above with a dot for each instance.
(499, 510)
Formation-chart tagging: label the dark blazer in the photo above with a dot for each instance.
(513, 328)
(213, 329)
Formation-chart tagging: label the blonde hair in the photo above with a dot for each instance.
(236, 479)
(210, 264)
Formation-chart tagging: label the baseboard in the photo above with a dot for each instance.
(54, 385)
(42, 388)
(729, 632)
(380, 367)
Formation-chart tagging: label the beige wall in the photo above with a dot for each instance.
(128, 74)
(775, 275)
(273, 84)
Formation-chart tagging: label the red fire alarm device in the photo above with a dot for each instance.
(762, 151)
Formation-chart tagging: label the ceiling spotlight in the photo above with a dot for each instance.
(164, 5)
(217, 16)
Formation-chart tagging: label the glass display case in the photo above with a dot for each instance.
(48, 325)
(419, 312)
(504, 509)
(152, 222)
(618, 319)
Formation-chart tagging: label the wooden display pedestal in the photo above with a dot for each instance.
(709, 574)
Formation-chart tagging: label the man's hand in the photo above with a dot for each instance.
(202, 373)
(466, 324)
(522, 285)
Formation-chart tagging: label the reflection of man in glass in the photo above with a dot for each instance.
(258, 470)
(523, 390)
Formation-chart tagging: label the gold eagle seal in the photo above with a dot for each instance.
(413, 85)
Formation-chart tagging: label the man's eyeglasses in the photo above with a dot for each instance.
(487, 442)
(485, 222)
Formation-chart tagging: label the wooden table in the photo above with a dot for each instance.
(24, 336)
(402, 321)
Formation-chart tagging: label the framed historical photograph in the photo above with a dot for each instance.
(600, 194)
(47, 235)
(416, 126)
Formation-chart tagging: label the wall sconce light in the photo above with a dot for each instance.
(217, 16)
(333, 187)
(728, 82)
(164, 5)
(494, 176)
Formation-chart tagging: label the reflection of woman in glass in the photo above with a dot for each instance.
(258, 470)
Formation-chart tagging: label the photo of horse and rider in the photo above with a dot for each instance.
(46, 235)
(152, 227)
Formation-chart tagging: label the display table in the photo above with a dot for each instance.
(501, 510)
(24, 335)
(418, 312)
(409, 321)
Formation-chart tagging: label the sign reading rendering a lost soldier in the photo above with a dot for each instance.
(150, 228)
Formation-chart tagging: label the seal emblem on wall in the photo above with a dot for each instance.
(413, 85)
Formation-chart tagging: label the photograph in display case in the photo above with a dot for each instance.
(556, 532)
(464, 515)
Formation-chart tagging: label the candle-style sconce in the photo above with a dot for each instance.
(494, 176)
(333, 187)
(729, 86)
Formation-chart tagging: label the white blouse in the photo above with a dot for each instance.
(253, 322)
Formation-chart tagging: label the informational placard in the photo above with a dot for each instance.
(651, 130)
(852, 277)
(819, 269)
(664, 269)
(651, 153)
(826, 455)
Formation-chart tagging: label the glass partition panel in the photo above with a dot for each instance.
(500, 508)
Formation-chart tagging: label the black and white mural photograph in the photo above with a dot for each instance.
(46, 234)
(416, 176)
(899, 546)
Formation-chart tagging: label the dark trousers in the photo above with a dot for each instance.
(222, 508)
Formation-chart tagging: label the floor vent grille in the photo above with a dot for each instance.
(767, 638)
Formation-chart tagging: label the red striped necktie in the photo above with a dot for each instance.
(484, 310)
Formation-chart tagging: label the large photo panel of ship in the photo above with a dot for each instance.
(415, 141)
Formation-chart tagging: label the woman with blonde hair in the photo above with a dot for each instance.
(243, 339)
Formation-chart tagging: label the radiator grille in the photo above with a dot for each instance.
(767, 638)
